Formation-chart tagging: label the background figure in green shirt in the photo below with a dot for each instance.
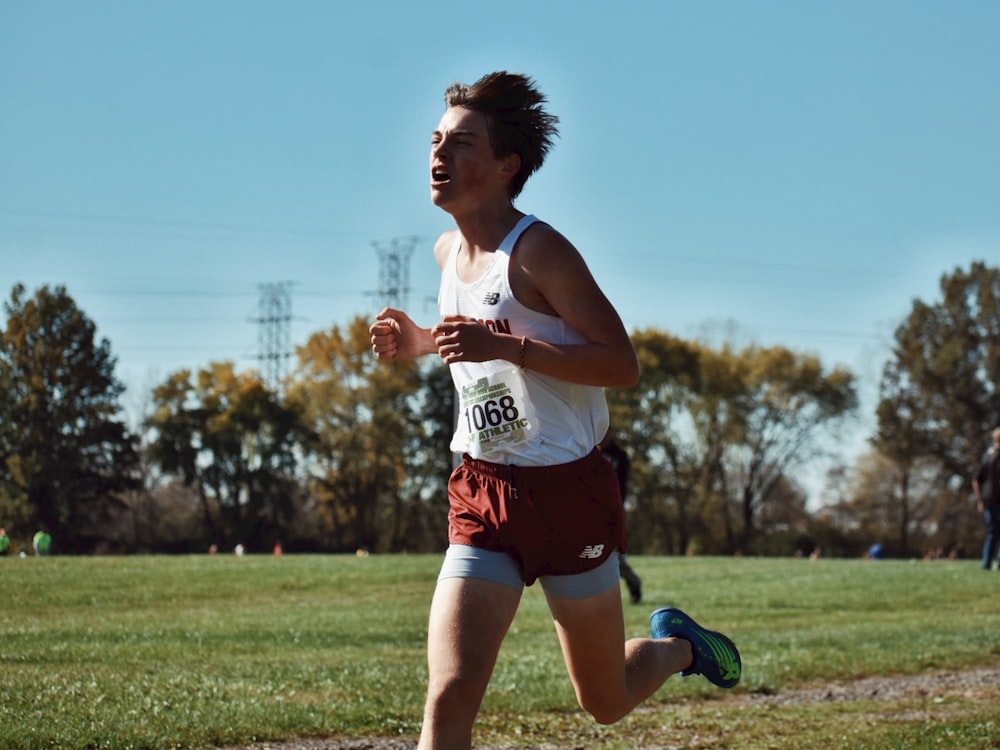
(42, 544)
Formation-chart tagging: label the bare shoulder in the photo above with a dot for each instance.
(443, 246)
(547, 272)
(541, 245)
(543, 256)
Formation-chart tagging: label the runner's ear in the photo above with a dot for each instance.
(511, 165)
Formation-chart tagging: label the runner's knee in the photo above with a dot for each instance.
(456, 695)
(601, 708)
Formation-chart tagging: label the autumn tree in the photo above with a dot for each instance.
(889, 502)
(939, 397)
(65, 453)
(785, 411)
(382, 427)
(940, 391)
(716, 435)
(650, 423)
(235, 441)
(716, 407)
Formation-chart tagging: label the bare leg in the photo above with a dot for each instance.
(468, 621)
(612, 676)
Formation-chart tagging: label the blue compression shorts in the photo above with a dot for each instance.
(464, 561)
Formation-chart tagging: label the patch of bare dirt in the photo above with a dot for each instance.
(976, 684)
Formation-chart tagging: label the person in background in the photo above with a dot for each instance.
(986, 487)
(41, 543)
(621, 463)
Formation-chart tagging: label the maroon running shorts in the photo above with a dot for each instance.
(554, 520)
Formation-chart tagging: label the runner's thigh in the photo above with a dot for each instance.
(592, 635)
(469, 619)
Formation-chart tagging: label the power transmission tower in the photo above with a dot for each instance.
(274, 337)
(394, 271)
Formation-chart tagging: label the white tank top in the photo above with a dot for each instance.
(508, 415)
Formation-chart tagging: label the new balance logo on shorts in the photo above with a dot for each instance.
(592, 551)
(491, 298)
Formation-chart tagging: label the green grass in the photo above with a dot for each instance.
(194, 652)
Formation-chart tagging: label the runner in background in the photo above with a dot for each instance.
(621, 463)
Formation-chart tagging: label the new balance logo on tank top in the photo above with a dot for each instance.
(508, 415)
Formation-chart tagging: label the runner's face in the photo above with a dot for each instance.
(463, 167)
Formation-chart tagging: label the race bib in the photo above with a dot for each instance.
(494, 413)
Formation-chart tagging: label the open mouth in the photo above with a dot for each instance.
(439, 175)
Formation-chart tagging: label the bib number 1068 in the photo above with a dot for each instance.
(492, 413)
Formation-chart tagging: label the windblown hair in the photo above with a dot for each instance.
(517, 121)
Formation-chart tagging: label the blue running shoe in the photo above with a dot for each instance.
(715, 656)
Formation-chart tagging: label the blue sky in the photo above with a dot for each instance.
(789, 173)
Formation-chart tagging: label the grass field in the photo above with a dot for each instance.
(194, 652)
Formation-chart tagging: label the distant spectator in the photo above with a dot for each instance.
(42, 544)
(621, 463)
(4, 542)
(986, 485)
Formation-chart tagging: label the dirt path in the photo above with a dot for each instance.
(982, 684)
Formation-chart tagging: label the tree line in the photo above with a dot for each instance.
(351, 453)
